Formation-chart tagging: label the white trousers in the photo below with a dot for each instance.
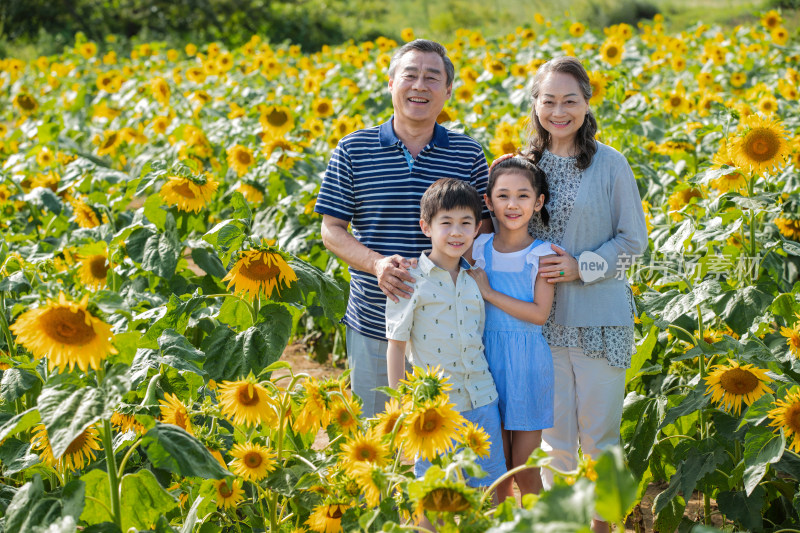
(588, 409)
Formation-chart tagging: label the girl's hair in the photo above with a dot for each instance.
(522, 165)
(539, 138)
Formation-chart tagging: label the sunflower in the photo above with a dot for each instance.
(93, 270)
(260, 270)
(779, 35)
(26, 103)
(771, 19)
(576, 29)
(446, 115)
(598, 82)
(611, 51)
(189, 194)
(246, 402)
(759, 145)
(424, 385)
(45, 158)
(363, 448)
(767, 105)
(437, 494)
(276, 119)
(85, 215)
(430, 429)
(676, 103)
(370, 478)
(388, 418)
(110, 143)
(738, 79)
(344, 413)
(502, 144)
(792, 338)
(240, 158)
(253, 461)
(327, 518)
(251, 193)
(127, 423)
(66, 333)
(314, 412)
(160, 90)
(323, 107)
(229, 497)
(475, 438)
(786, 416)
(731, 384)
(78, 454)
(173, 411)
(789, 228)
(407, 34)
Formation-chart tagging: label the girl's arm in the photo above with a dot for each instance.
(535, 312)
(395, 361)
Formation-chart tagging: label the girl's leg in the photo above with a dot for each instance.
(506, 488)
(523, 445)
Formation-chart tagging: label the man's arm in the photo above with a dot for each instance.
(390, 271)
(395, 361)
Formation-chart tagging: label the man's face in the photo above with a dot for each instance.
(419, 88)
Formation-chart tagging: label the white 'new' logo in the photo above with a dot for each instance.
(592, 266)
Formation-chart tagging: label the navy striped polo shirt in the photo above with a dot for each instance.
(373, 183)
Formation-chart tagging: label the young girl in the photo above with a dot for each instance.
(518, 302)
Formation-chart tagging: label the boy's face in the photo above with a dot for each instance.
(451, 231)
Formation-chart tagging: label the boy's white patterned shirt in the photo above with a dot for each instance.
(444, 323)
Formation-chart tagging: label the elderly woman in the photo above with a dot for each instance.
(596, 216)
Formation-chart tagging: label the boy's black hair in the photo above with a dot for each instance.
(449, 193)
(527, 168)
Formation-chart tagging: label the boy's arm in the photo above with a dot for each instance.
(395, 361)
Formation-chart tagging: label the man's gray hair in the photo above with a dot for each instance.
(424, 45)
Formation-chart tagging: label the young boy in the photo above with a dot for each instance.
(444, 317)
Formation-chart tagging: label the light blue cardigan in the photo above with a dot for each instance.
(607, 218)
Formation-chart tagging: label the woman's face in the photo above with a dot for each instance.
(561, 108)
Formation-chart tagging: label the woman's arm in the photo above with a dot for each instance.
(535, 312)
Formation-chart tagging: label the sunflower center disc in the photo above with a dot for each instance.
(253, 460)
(738, 381)
(246, 397)
(260, 270)
(224, 491)
(76, 445)
(99, 267)
(277, 118)
(334, 512)
(67, 327)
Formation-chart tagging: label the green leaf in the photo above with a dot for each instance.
(143, 500)
(231, 356)
(740, 308)
(209, 262)
(694, 401)
(677, 242)
(615, 491)
(67, 412)
(236, 314)
(20, 423)
(15, 383)
(230, 236)
(178, 352)
(191, 517)
(670, 515)
(31, 507)
(96, 487)
(176, 316)
(154, 211)
(565, 508)
(640, 444)
(48, 131)
(744, 509)
(16, 457)
(172, 448)
(317, 290)
(15, 283)
(643, 352)
(762, 447)
(702, 458)
(241, 209)
(157, 252)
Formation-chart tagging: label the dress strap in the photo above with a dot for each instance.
(479, 246)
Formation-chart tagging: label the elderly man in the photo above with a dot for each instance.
(374, 182)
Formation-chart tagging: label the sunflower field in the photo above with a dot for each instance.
(159, 251)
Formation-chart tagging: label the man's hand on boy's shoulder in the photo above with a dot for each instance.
(393, 276)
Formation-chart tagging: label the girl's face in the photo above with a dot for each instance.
(514, 200)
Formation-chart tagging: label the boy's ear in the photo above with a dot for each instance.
(426, 229)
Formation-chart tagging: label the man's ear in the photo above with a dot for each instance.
(449, 91)
(426, 229)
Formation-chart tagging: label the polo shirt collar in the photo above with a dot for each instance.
(426, 265)
(389, 138)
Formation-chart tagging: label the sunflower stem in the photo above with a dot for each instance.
(12, 349)
(111, 466)
(273, 511)
(124, 461)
